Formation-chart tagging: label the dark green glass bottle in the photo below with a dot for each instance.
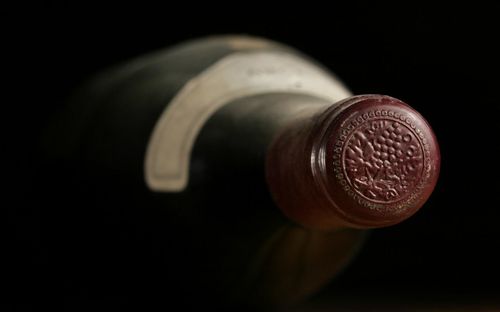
(229, 172)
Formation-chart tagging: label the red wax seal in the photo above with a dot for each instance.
(373, 159)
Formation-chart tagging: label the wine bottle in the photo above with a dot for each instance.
(249, 169)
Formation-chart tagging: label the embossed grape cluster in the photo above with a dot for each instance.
(388, 146)
(382, 159)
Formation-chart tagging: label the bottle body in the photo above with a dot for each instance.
(170, 151)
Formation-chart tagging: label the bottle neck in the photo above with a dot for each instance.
(367, 161)
(244, 129)
(240, 139)
(364, 162)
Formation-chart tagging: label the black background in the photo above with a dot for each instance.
(441, 60)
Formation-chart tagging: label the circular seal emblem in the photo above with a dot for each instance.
(381, 156)
(383, 159)
(367, 161)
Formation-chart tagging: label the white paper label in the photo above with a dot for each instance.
(234, 76)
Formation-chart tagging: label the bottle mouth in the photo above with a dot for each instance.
(376, 160)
